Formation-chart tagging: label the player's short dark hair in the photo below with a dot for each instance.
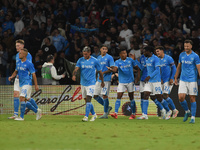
(86, 49)
(149, 48)
(20, 41)
(122, 49)
(104, 45)
(188, 41)
(49, 58)
(24, 49)
(159, 47)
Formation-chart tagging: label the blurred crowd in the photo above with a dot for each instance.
(63, 27)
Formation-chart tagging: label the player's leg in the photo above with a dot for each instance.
(141, 94)
(16, 99)
(105, 92)
(193, 91)
(193, 108)
(182, 91)
(97, 91)
(159, 105)
(131, 89)
(120, 91)
(87, 108)
(166, 91)
(147, 92)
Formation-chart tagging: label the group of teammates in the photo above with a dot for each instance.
(158, 76)
(24, 73)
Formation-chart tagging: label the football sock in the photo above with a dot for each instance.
(32, 101)
(117, 105)
(165, 105)
(133, 106)
(31, 107)
(141, 104)
(159, 105)
(184, 105)
(87, 109)
(171, 103)
(193, 108)
(16, 105)
(92, 109)
(99, 100)
(22, 109)
(106, 104)
(145, 106)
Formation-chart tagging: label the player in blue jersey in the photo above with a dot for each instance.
(25, 71)
(168, 70)
(153, 84)
(125, 65)
(88, 66)
(105, 60)
(20, 45)
(189, 67)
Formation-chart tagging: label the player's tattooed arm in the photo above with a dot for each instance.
(74, 73)
(113, 69)
(13, 75)
(108, 71)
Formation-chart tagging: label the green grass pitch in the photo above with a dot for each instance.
(70, 133)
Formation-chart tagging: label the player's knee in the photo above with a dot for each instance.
(95, 96)
(165, 96)
(153, 97)
(16, 94)
(181, 98)
(105, 96)
(142, 95)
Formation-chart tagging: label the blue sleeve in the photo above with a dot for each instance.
(196, 60)
(116, 63)
(156, 71)
(136, 63)
(31, 68)
(29, 57)
(97, 65)
(157, 62)
(111, 61)
(173, 67)
(78, 64)
(179, 60)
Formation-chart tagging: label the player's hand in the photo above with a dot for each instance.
(63, 75)
(137, 80)
(147, 79)
(102, 84)
(36, 88)
(109, 68)
(74, 78)
(171, 81)
(10, 78)
(132, 56)
(175, 81)
(161, 81)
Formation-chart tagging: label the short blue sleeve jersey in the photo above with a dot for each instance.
(151, 63)
(25, 70)
(88, 69)
(28, 57)
(144, 71)
(166, 63)
(125, 69)
(105, 61)
(188, 66)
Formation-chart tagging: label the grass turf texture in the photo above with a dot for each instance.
(70, 133)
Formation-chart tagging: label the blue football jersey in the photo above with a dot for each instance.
(105, 61)
(88, 69)
(25, 70)
(151, 63)
(166, 63)
(125, 69)
(188, 66)
(144, 71)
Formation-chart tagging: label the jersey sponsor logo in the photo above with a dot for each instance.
(186, 62)
(127, 66)
(148, 64)
(87, 66)
(103, 63)
(163, 65)
(21, 68)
